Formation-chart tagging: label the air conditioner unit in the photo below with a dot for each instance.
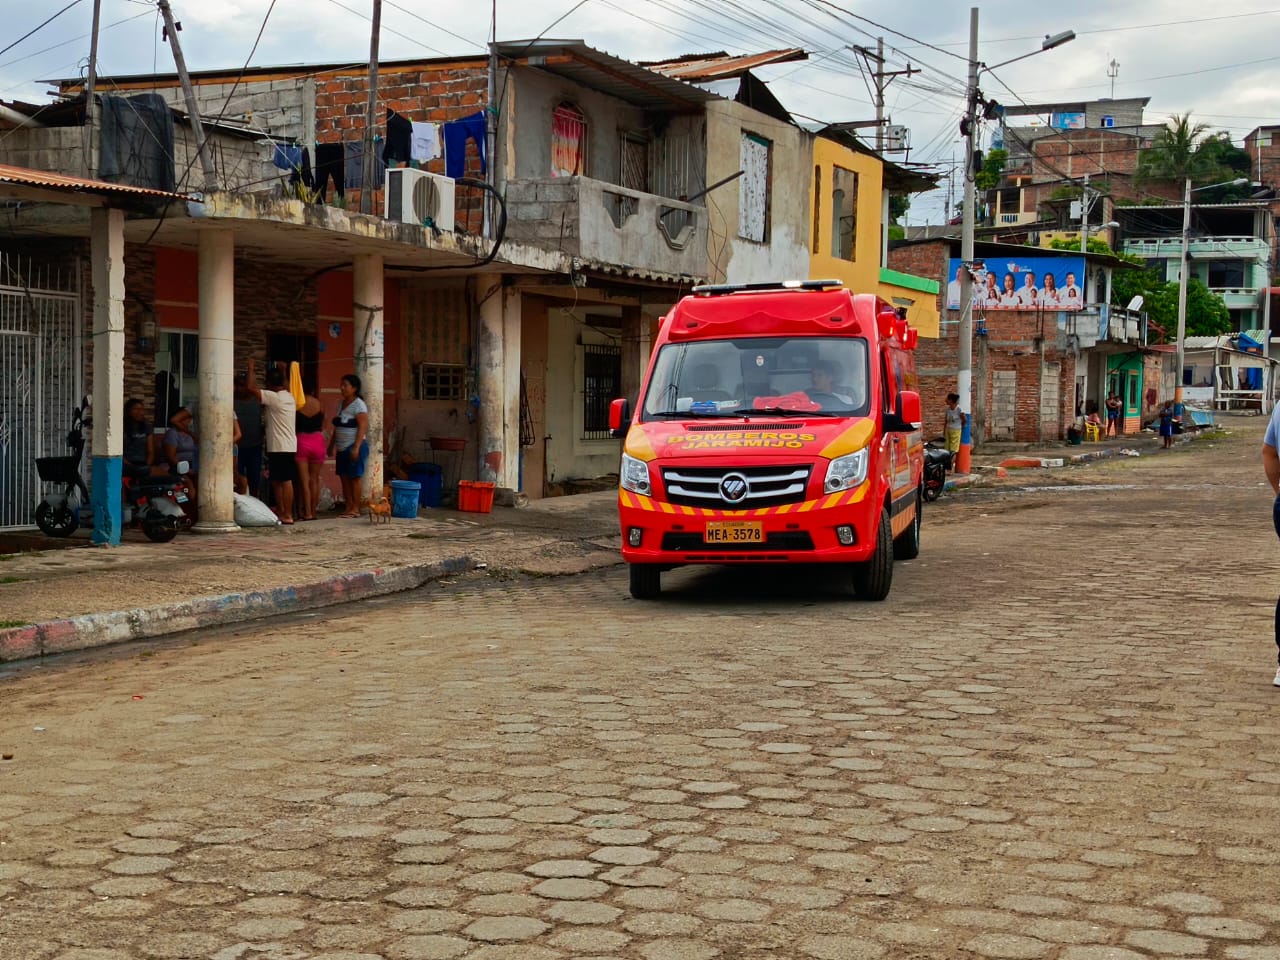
(416, 196)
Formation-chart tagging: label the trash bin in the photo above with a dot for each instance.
(429, 476)
(404, 498)
(475, 496)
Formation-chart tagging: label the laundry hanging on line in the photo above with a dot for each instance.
(353, 151)
(395, 148)
(456, 134)
(330, 164)
(424, 142)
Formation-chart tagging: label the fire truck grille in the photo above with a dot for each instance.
(790, 540)
(749, 487)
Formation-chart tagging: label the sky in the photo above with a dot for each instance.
(1221, 62)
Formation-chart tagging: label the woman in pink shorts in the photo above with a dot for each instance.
(309, 421)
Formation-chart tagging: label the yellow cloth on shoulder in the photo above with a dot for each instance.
(295, 384)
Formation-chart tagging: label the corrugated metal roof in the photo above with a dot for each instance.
(575, 61)
(26, 177)
(722, 66)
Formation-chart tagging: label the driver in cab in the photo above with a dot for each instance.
(824, 390)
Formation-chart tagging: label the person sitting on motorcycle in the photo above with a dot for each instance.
(140, 443)
(180, 441)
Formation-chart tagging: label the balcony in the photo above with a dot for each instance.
(604, 222)
(1097, 324)
(1200, 248)
(1239, 298)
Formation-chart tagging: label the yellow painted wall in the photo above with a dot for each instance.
(862, 273)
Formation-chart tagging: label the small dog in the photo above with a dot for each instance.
(380, 509)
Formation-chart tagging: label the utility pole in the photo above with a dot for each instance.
(883, 78)
(193, 109)
(366, 180)
(91, 80)
(1084, 218)
(964, 351)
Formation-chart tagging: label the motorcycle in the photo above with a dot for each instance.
(58, 514)
(937, 461)
(153, 503)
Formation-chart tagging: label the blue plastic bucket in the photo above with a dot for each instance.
(404, 498)
(429, 475)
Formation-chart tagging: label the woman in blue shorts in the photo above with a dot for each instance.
(348, 443)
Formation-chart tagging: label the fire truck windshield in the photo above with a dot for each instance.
(709, 378)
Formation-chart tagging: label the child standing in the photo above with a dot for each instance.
(1166, 424)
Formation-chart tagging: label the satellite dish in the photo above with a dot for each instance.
(1135, 304)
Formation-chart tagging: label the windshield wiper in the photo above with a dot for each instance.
(787, 412)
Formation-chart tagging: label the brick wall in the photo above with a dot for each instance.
(428, 92)
(1010, 345)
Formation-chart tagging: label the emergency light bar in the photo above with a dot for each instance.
(719, 289)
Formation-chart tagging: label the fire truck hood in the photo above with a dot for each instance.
(763, 437)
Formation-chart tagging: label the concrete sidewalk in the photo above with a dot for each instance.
(76, 596)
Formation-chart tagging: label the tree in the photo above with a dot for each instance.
(1207, 315)
(1185, 150)
(988, 178)
(1096, 245)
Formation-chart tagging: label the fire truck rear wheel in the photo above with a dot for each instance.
(646, 580)
(906, 546)
(874, 576)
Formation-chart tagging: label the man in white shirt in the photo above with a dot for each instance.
(281, 436)
(954, 288)
(1070, 294)
(1028, 295)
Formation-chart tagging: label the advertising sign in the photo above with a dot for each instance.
(1024, 283)
(1067, 121)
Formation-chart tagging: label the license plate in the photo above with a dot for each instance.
(734, 531)
(181, 497)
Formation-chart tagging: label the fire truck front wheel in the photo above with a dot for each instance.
(873, 576)
(646, 580)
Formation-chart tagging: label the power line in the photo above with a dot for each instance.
(39, 28)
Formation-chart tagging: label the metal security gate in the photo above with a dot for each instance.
(40, 376)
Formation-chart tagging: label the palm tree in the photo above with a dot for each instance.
(1178, 154)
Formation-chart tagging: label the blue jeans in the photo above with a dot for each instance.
(1275, 521)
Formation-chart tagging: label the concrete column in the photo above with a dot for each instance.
(498, 355)
(370, 344)
(106, 241)
(215, 415)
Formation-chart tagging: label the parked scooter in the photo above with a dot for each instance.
(157, 505)
(58, 514)
(937, 461)
(152, 503)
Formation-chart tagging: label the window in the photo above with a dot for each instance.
(177, 364)
(844, 213)
(440, 381)
(753, 190)
(1226, 273)
(633, 154)
(602, 383)
(568, 141)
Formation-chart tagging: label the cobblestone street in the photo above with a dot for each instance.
(1057, 738)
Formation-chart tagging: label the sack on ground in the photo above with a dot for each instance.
(252, 512)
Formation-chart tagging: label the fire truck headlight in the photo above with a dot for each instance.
(847, 472)
(634, 475)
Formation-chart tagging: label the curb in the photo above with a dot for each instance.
(102, 629)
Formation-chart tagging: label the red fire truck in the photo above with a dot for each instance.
(777, 423)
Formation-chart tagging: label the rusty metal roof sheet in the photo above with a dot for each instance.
(721, 66)
(579, 63)
(26, 177)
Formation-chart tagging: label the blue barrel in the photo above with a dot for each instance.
(429, 475)
(404, 499)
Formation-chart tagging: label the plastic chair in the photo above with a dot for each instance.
(1092, 432)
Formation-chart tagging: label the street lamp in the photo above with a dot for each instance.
(1182, 274)
(968, 128)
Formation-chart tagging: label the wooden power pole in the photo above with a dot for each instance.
(193, 109)
(367, 185)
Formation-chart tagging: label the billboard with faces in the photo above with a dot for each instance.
(1022, 283)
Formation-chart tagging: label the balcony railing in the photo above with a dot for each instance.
(1094, 325)
(1202, 248)
(609, 223)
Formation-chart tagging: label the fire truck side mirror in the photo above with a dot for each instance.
(619, 417)
(906, 412)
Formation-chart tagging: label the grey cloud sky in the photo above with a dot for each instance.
(1222, 61)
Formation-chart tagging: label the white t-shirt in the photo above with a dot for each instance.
(280, 410)
(344, 434)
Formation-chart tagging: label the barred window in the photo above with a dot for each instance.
(440, 381)
(602, 383)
